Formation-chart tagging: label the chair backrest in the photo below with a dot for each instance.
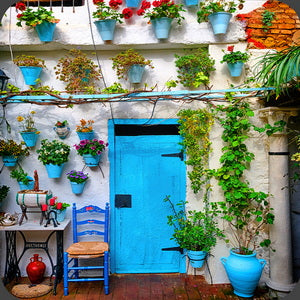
(90, 220)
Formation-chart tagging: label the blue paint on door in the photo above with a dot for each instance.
(139, 233)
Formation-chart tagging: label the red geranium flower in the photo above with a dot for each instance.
(19, 16)
(115, 3)
(230, 48)
(127, 12)
(59, 205)
(140, 12)
(145, 4)
(20, 6)
(44, 207)
(52, 201)
(97, 1)
(156, 3)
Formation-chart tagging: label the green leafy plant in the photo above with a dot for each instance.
(125, 59)
(232, 57)
(279, 69)
(78, 71)
(93, 147)
(195, 126)
(29, 61)
(10, 147)
(194, 230)
(267, 18)
(20, 175)
(161, 9)
(3, 192)
(77, 176)
(208, 7)
(246, 211)
(61, 123)
(115, 88)
(53, 152)
(33, 17)
(194, 68)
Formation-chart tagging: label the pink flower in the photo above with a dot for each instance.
(127, 12)
(230, 48)
(21, 6)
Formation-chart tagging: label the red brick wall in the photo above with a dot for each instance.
(278, 36)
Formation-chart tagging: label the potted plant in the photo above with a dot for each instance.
(107, 16)
(61, 129)
(161, 15)
(85, 129)
(78, 71)
(41, 19)
(91, 150)
(12, 151)
(25, 182)
(235, 61)
(194, 68)
(218, 13)
(3, 193)
(30, 66)
(131, 64)
(28, 131)
(77, 180)
(194, 231)
(53, 154)
(59, 207)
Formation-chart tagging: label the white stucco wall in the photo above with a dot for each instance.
(74, 31)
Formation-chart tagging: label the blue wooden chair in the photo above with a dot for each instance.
(86, 221)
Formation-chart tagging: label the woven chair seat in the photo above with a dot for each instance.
(87, 249)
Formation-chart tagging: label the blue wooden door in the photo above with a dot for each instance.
(144, 174)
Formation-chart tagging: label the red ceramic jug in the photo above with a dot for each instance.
(36, 269)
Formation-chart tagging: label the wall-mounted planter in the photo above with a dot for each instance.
(45, 31)
(28, 186)
(235, 69)
(106, 28)
(54, 171)
(161, 27)
(30, 138)
(31, 74)
(91, 160)
(191, 2)
(135, 73)
(133, 3)
(220, 21)
(9, 160)
(77, 188)
(62, 132)
(85, 135)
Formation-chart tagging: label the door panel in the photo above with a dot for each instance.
(140, 232)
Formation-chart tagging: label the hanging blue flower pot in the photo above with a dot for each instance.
(85, 135)
(30, 138)
(45, 31)
(161, 27)
(219, 21)
(135, 73)
(77, 188)
(62, 132)
(133, 3)
(243, 271)
(9, 160)
(196, 258)
(190, 2)
(28, 186)
(106, 28)
(31, 74)
(91, 160)
(54, 171)
(61, 214)
(236, 68)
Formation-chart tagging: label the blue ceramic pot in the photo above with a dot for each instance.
(31, 74)
(190, 2)
(54, 171)
(91, 160)
(106, 28)
(135, 73)
(85, 135)
(61, 214)
(235, 69)
(133, 3)
(243, 271)
(30, 138)
(161, 27)
(45, 31)
(28, 186)
(197, 258)
(219, 21)
(77, 188)
(9, 160)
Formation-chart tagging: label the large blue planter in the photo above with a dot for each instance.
(77, 188)
(28, 186)
(30, 138)
(135, 73)
(236, 68)
(219, 21)
(244, 272)
(31, 74)
(197, 258)
(106, 28)
(91, 160)
(54, 171)
(133, 3)
(85, 135)
(9, 160)
(45, 31)
(161, 27)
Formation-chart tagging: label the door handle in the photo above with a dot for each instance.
(179, 154)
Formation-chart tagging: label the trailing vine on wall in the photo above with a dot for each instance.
(195, 126)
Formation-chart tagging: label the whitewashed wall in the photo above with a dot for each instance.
(74, 31)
